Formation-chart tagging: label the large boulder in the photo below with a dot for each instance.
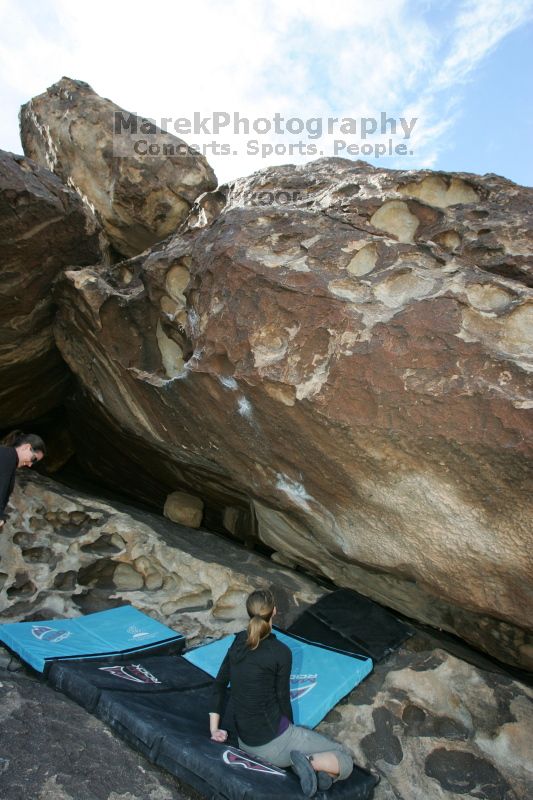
(101, 150)
(348, 350)
(44, 226)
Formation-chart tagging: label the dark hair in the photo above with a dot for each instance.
(16, 438)
(260, 606)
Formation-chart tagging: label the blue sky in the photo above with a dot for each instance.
(495, 130)
(462, 67)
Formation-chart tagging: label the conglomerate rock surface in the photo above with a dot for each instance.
(139, 197)
(353, 359)
(437, 728)
(62, 552)
(44, 226)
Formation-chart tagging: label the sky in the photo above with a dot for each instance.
(457, 72)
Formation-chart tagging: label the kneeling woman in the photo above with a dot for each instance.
(259, 669)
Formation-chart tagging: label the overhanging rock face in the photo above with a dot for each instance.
(44, 227)
(356, 361)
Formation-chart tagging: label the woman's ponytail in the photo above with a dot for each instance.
(12, 439)
(258, 629)
(260, 607)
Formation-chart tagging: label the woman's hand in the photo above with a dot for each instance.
(219, 735)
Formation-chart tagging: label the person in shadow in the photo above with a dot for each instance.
(16, 450)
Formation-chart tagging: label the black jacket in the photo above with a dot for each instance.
(260, 687)
(8, 468)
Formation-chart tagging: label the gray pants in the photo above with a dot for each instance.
(306, 741)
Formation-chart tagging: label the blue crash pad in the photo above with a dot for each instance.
(320, 677)
(106, 633)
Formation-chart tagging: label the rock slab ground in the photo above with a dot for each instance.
(54, 750)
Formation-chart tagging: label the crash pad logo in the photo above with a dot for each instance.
(238, 759)
(46, 634)
(131, 672)
(301, 685)
(138, 633)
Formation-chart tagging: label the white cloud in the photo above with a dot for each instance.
(479, 27)
(305, 58)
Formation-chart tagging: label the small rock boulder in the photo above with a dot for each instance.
(184, 508)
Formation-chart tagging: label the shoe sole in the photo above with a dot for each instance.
(305, 772)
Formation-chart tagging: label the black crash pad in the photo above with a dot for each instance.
(346, 620)
(160, 706)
